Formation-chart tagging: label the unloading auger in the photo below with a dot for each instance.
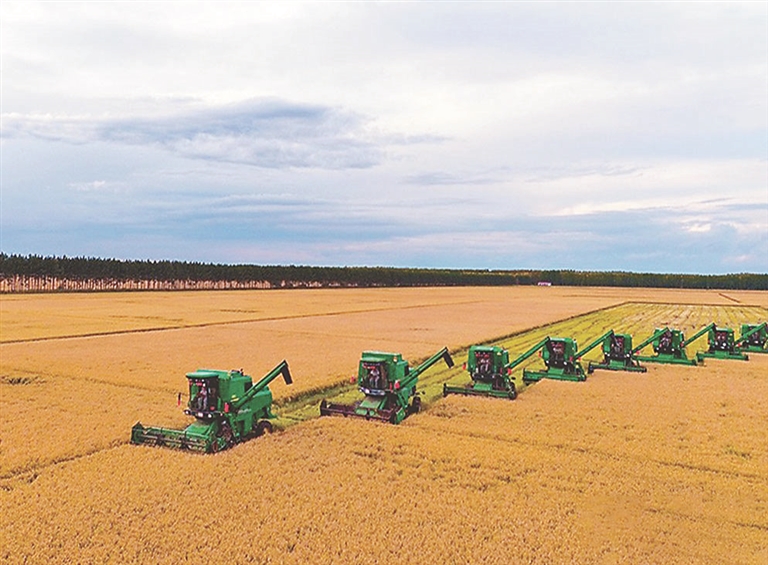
(228, 408)
(389, 386)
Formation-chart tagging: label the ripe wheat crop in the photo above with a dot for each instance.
(664, 467)
(611, 470)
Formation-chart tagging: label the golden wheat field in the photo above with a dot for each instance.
(670, 466)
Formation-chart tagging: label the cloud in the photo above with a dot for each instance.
(97, 186)
(571, 135)
(263, 133)
(442, 178)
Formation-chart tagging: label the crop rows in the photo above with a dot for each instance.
(665, 467)
(87, 391)
(636, 319)
(568, 473)
(93, 409)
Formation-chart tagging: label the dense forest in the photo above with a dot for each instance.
(33, 273)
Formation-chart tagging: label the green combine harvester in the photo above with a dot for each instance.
(668, 345)
(228, 408)
(618, 354)
(721, 344)
(389, 386)
(489, 370)
(754, 338)
(560, 357)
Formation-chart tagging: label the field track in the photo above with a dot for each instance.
(622, 468)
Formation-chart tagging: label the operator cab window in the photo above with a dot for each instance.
(483, 362)
(376, 377)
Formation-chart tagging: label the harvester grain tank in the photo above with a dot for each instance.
(754, 338)
(228, 408)
(389, 386)
(618, 354)
(560, 357)
(721, 344)
(488, 367)
(668, 345)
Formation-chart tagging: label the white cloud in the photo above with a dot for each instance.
(443, 125)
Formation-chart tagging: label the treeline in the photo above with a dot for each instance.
(33, 273)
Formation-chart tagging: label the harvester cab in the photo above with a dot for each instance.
(488, 367)
(560, 357)
(389, 386)
(203, 394)
(227, 406)
(617, 353)
(668, 345)
(754, 338)
(375, 378)
(721, 344)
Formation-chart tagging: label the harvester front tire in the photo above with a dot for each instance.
(227, 435)
(263, 427)
(416, 405)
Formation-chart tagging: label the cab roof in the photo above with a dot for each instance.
(204, 374)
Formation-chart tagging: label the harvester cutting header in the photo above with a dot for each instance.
(754, 338)
(669, 347)
(721, 344)
(618, 354)
(389, 386)
(490, 370)
(561, 357)
(228, 408)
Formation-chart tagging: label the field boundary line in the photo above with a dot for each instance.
(363, 311)
(230, 323)
(710, 304)
(87, 379)
(304, 399)
(542, 326)
(35, 469)
(696, 518)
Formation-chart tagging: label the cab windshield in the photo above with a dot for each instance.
(375, 376)
(203, 395)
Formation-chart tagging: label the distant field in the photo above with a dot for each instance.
(666, 467)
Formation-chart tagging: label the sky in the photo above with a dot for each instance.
(613, 136)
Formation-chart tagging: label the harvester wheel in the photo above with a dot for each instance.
(263, 427)
(227, 435)
(416, 404)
